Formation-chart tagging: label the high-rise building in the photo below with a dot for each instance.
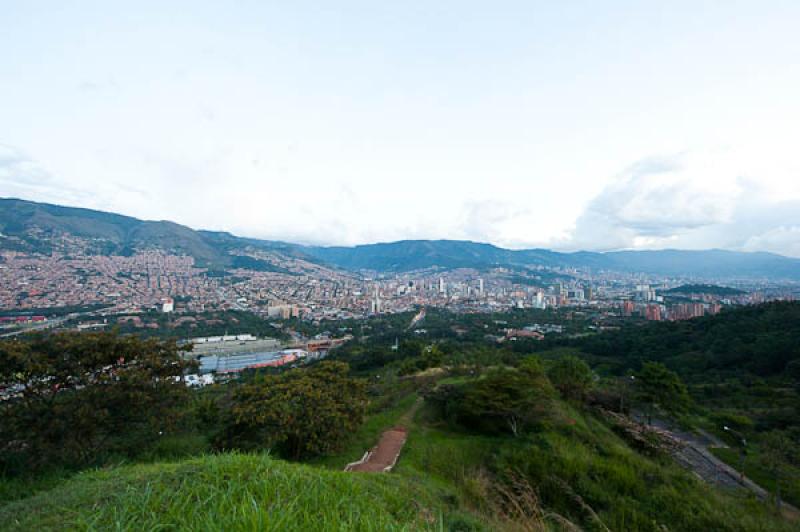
(376, 301)
(480, 287)
(686, 311)
(442, 286)
(627, 308)
(653, 312)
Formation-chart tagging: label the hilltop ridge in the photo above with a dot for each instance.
(40, 227)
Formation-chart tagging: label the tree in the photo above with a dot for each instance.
(571, 376)
(660, 388)
(430, 357)
(303, 411)
(777, 452)
(503, 400)
(69, 398)
(792, 371)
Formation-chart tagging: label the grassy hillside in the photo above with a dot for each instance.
(226, 492)
(570, 464)
(572, 471)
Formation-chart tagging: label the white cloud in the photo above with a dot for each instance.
(690, 200)
(693, 201)
(22, 177)
(784, 240)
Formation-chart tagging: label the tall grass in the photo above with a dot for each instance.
(585, 472)
(226, 492)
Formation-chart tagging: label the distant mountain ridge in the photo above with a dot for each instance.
(40, 227)
(409, 255)
(35, 227)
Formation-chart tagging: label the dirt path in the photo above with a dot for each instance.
(383, 457)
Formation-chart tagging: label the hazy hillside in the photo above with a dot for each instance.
(40, 227)
(416, 254)
(705, 289)
(31, 226)
(707, 263)
(408, 255)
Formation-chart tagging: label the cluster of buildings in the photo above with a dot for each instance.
(299, 289)
(146, 279)
(13, 321)
(647, 303)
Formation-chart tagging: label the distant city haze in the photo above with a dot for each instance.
(574, 125)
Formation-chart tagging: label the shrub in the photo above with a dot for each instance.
(303, 412)
(73, 398)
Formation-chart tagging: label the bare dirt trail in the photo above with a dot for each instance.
(383, 457)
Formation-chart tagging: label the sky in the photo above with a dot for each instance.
(571, 125)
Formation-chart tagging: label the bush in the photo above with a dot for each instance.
(503, 400)
(73, 399)
(571, 376)
(302, 412)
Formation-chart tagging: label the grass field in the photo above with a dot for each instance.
(227, 492)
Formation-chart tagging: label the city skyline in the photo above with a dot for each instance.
(525, 125)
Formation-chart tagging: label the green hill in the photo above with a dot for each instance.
(445, 480)
(711, 289)
(225, 492)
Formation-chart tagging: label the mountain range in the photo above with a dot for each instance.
(39, 227)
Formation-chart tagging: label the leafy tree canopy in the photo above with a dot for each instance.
(571, 376)
(69, 398)
(503, 400)
(302, 412)
(659, 387)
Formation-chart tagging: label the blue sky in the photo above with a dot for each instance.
(592, 125)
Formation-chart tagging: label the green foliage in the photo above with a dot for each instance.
(778, 451)
(760, 470)
(431, 357)
(741, 367)
(73, 398)
(660, 388)
(705, 289)
(365, 436)
(204, 324)
(587, 474)
(752, 341)
(503, 400)
(571, 376)
(304, 412)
